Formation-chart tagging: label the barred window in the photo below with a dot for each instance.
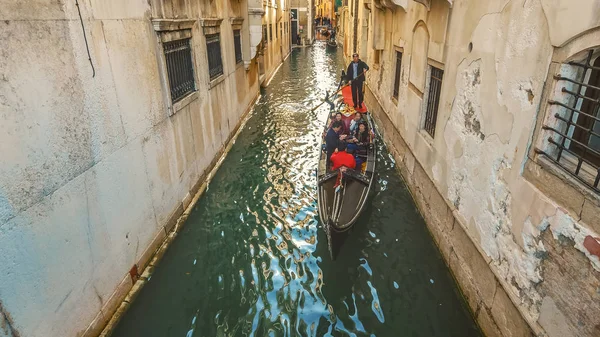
(180, 69)
(237, 41)
(397, 75)
(213, 48)
(574, 129)
(433, 100)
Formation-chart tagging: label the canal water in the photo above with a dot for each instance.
(252, 259)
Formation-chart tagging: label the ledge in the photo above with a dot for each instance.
(211, 25)
(161, 25)
(182, 103)
(236, 23)
(256, 11)
(213, 83)
(210, 22)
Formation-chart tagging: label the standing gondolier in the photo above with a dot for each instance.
(356, 78)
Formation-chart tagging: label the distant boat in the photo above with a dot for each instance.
(331, 44)
(340, 206)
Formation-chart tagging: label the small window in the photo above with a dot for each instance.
(397, 75)
(265, 36)
(433, 100)
(237, 41)
(270, 32)
(213, 48)
(180, 69)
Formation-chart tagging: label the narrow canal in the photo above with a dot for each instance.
(252, 259)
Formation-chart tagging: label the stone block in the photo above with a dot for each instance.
(113, 303)
(487, 324)
(590, 214)
(484, 280)
(409, 161)
(507, 317)
(96, 326)
(552, 320)
(159, 238)
(465, 281)
(186, 200)
(112, 323)
(441, 213)
(172, 221)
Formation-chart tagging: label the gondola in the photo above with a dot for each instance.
(331, 44)
(340, 207)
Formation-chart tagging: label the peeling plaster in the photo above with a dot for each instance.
(564, 226)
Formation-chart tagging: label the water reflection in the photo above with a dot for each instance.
(252, 260)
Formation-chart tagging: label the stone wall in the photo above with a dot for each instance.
(517, 232)
(98, 164)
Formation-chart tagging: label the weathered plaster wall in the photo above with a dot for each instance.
(94, 172)
(496, 57)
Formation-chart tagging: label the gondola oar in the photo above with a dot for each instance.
(337, 92)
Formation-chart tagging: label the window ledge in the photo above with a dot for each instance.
(161, 25)
(426, 137)
(566, 177)
(216, 81)
(182, 103)
(238, 65)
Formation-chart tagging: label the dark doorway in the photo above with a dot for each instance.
(295, 32)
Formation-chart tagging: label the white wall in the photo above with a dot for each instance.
(92, 167)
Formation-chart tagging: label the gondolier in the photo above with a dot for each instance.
(356, 77)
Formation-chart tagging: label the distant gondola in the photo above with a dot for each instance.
(339, 208)
(331, 44)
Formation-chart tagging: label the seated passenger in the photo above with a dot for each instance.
(342, 158)
(360, 138)
(338, 117)
(333, 138)
(359, 143)
(355, 121)
(331, 120)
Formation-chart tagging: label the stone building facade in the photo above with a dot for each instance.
(276, 37)
(111, 115)
(490, 109)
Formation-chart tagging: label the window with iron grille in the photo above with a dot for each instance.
(213, 50)
(180, 69)
(574, 129)
(237, 41)
(433, 100)
(397, 75)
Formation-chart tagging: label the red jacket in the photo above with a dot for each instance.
(342, 158)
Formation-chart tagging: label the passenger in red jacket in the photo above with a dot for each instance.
(342, 158)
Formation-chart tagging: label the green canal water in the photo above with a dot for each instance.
(252, 259)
